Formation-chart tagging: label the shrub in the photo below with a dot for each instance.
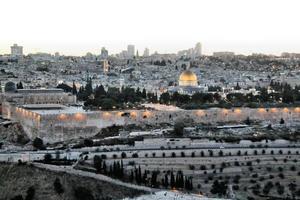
(123, 155)
(135, 155)
(178, 128)
(97, 163)
(88, 142)
(132, 163)
(58, 186)
(30, 193)
(293, 168)
(18, 197)
(47, 158)
(235, 187)
(38, 143)
(281, 175)
(192, 167)
(82, 193)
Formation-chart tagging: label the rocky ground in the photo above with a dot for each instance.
(17, 179)
(13, 133)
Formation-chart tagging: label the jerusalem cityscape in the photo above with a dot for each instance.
(150, 100)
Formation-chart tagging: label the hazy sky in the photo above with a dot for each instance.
(80, 26)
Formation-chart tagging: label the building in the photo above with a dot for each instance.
(13, 97)
(188, 84)
(130, 51)
(223, 54)
(104, 53)
(105, 66)
(198, 50)
(188, 78)
(146, 52)
(16, 51)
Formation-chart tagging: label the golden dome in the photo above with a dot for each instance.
(188, 78)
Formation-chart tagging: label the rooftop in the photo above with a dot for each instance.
(54, 109)
(54, 90)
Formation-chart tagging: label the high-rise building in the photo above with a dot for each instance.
(198, 50)
(104, 53)
(130, 51)
(16, 51)
(146, 52)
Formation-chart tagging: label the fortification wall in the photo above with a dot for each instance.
(61, 126)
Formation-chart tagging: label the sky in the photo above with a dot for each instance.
(75, 27)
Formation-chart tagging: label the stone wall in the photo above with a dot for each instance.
(61, 126)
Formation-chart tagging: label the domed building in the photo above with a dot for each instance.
(188, 78)
(10, 87)
(188, 84)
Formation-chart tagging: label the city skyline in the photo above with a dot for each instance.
(167, 27)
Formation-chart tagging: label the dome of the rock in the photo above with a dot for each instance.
(188, 78)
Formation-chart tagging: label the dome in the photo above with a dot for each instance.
(10, 87)
(188, 78)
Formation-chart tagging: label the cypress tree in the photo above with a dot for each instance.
(173, 184)
(166, 181)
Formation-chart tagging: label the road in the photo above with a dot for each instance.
(74, 154)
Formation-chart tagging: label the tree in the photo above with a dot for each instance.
(237, 87)
(166, 181)
(248, 121)
(99, 91)
(154, 179)
(97, 163)
(58, 186)
(178, 128)
(82, 193)
(165, 98)
(20, 85)
(88, 142)
(282, 121)
(47, 158)
(30, 193)
(172, 181)
(38, 143)
(74, 89)
(144, 94)
(280, 189)
(57, 155)
(18, 197)
(264, 96)
(221, 153)
(219, 188)
(123, 155)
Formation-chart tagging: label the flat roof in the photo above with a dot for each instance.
(52, 90)
(63, 110)
(43, 106)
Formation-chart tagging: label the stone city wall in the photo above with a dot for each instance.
(62, 126)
